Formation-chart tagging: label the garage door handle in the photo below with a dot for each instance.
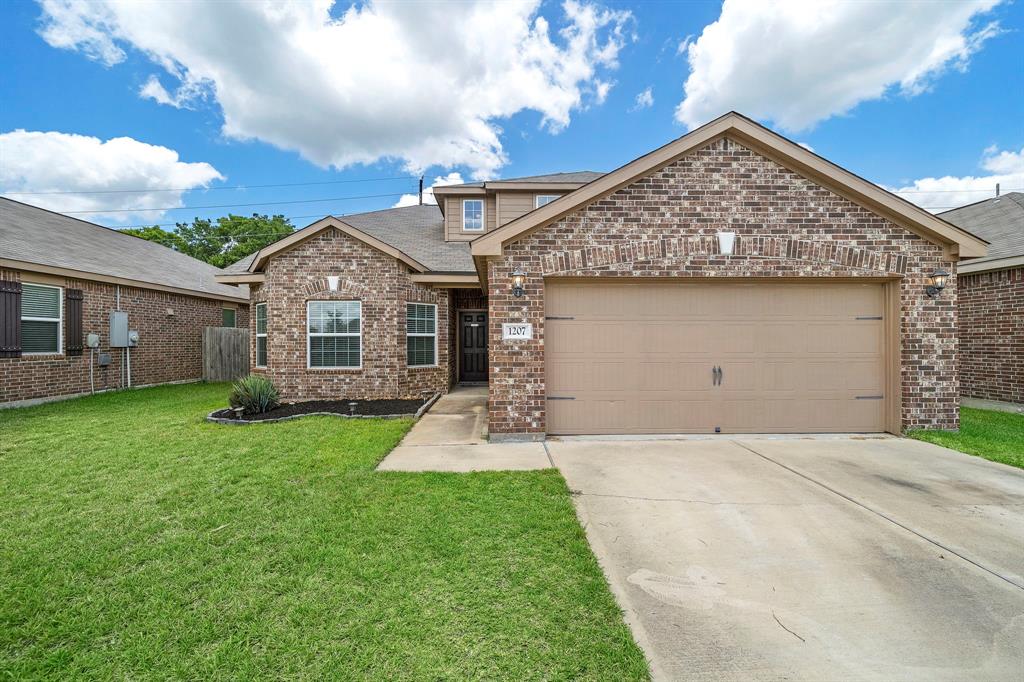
(716, 376)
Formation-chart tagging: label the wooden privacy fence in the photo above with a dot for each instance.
(225, 353)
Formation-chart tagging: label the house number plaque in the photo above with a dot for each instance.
(516, 331)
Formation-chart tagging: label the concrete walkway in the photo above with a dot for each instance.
(452, 436)
(997, 405)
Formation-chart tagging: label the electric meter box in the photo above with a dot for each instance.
(133, 338)
(118, 329)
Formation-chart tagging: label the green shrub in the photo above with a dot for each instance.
(254, 394)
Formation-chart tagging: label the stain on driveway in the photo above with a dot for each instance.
(808, 559)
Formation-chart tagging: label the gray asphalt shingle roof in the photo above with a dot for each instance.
(418, 232)
(999, 221)
(36, 235)
(573, 177)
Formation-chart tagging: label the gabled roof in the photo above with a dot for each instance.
(998, 220)
(765, 142)
(38, 240)
(412, 234)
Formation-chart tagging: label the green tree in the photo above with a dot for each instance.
(220, 242)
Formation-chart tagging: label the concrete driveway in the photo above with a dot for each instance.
(808, 559)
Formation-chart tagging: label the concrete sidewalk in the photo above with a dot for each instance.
(452, 436)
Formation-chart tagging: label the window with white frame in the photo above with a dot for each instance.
(472, 214)
(335, 334)
(41, 319)
(421, 334)
(261, 334)
(543, 199)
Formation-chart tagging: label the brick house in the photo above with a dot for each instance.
(60, 280)
(991, 301)
(730, 281)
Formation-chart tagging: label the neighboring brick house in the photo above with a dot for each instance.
(60, 279)
(991, 303)
(729, 281)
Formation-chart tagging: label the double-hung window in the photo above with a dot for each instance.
(227, 317)
(261, 334)
(421, 334)
(472, 215)
(544, 199)
(334, 332)
(41, 319)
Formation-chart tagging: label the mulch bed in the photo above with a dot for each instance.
(362, 408)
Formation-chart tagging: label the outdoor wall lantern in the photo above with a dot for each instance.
(725, 242)
(936, 282)
(518, 280)
(332, 282)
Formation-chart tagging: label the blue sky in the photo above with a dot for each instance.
(925, 97)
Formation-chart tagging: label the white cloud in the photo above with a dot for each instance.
(798, 62)
(423, 82)
(644, 100)
(806, 146)
(938, 194)
(428, 192)
(60, 162)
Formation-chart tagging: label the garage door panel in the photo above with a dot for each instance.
(638, 357)
(671, 416)
(674, 376)
(778, 376)
(566, 339)
(733, 337)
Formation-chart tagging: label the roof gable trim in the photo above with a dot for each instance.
(958, 243)
(330, 222)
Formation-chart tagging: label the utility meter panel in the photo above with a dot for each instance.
(118, 329)
(133, 338)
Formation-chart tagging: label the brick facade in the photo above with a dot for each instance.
(169, 350)
(664, 225)
(382, 285)
(992, 335)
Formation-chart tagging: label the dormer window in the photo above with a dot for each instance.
(473, 215)
(544, 199)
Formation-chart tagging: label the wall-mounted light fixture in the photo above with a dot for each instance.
(936, 282)
(725, 242)
(518, 280)
(332, 282)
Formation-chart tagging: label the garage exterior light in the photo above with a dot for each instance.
(518, 280)
(936, 282)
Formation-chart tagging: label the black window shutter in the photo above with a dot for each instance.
(10, 319)
(73, 323)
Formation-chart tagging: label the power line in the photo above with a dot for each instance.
(260, 203)
(207, 189)
(956, 191)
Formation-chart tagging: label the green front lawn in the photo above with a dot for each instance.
(138, 541)
(998, 436)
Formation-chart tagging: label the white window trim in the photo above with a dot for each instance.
(538, 197)
(266, 318)
(59, 319)
(483, 215)
(309, 336)
(408, 334)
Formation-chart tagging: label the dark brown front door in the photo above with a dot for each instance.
(473, 339)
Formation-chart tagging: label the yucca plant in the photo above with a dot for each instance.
(255, 394)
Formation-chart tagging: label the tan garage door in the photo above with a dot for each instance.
(695, 356)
